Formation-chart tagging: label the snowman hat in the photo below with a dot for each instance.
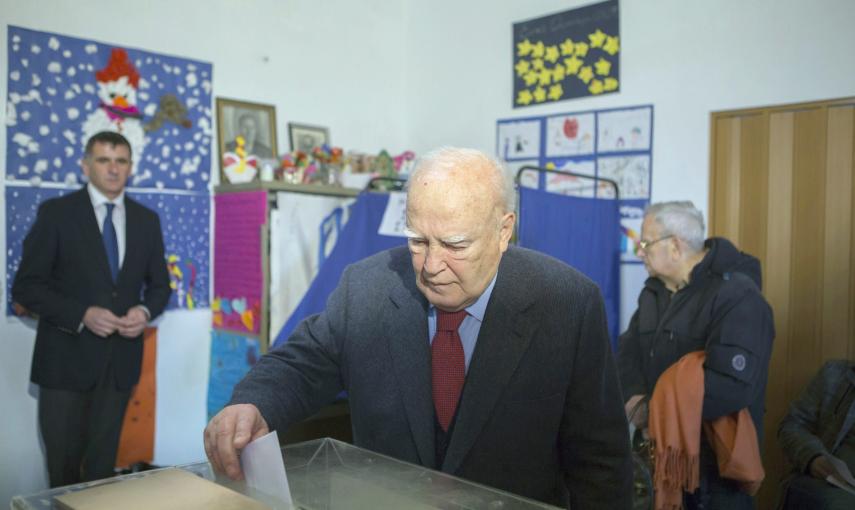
(119, 65)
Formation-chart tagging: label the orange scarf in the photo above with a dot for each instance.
(675, 429)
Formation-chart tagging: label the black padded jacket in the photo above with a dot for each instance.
(721, 311)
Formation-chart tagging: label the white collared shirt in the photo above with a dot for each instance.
(99, 204)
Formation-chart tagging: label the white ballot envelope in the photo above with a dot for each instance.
(264, 469)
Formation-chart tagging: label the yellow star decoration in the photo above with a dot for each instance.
(551, 54)
(531, 78)
(567, 47)
(612, 45)
(603, 67)
(610, 84)
(586, 73)
(550, 165)
(572, 64)
(523, 48)
(597, 39)
(545, 69)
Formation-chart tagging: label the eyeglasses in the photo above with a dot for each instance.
(643, 245)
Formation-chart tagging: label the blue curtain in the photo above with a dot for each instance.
(358, 239)
(583, 232)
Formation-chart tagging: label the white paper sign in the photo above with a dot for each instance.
(395, 215)
(264, 469)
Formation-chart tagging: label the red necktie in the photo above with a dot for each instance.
(448, 365)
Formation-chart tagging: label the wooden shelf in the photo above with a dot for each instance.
(315, 189)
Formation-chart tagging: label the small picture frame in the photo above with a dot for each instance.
(241, 160)
(305, 138)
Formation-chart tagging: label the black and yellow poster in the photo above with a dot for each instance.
(570, 54)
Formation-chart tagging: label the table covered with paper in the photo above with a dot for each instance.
(323, 474)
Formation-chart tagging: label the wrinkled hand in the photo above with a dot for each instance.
(640, 417)
(101, 321)
(230, 431)
(133, 323)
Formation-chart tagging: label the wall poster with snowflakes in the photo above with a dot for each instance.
(62, 90)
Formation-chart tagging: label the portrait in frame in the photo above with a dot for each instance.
(246, 137)
(304, 137)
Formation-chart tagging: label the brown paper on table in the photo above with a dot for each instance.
(168, 489)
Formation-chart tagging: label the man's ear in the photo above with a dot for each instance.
(506, 229)
(84, 166)
(678, 248)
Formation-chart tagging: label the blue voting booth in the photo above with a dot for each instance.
(583, 232)
(357, 239)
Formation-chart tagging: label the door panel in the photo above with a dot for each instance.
(781, 188)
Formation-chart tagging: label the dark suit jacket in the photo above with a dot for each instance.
(819, 421)
(541, 410)
(64, 271)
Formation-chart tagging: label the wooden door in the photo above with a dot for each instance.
(781, 188)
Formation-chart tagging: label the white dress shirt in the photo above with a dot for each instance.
(99, 204)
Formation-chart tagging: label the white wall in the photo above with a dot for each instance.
(686, 58)
(414, 74)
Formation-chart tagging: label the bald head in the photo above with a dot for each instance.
(466, 170)
(459, 222)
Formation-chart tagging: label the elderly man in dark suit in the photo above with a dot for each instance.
(458, 353)
(93, 272)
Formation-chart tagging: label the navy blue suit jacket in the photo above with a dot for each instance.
(64, 271)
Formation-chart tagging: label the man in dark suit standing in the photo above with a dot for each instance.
(458, 353)
(93, 271)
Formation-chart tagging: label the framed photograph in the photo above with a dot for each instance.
(305, 138)
(247, 137)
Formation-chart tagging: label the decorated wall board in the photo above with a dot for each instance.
(184, 221)
(62, 90)
(239, 282)
(232, 356)
(571, 54)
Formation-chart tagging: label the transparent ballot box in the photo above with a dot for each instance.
(326, 474)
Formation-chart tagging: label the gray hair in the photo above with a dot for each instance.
(446, 158)
(680, 219)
